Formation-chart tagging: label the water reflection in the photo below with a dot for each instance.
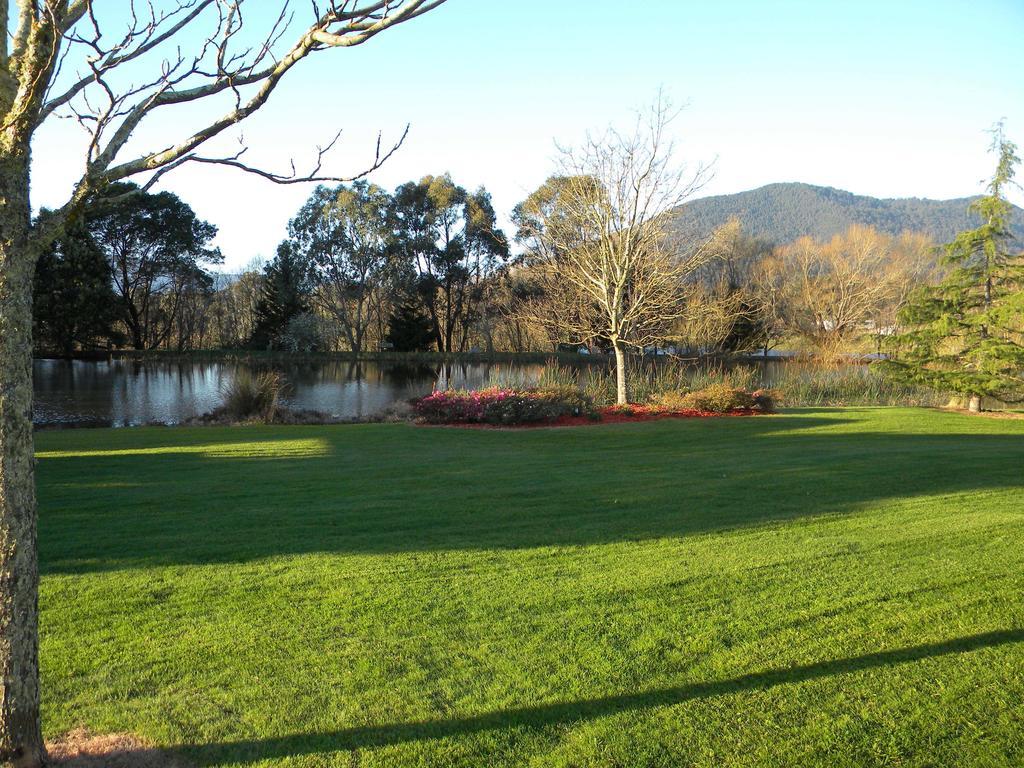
(130, 392)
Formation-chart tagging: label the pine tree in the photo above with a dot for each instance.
(409, 327)
(966, 334)
(285, 287)
(73, 301)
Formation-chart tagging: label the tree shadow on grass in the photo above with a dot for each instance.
(401, 489)
(560, 714)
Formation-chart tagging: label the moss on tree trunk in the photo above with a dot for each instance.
(20, 734)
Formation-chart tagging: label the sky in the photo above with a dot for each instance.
(889, 98)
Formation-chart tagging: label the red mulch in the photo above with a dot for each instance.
(609, 415)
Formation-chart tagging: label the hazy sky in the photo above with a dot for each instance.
(880, 97)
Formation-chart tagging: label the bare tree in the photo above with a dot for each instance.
(64, 58)
(913, 263)
(724, 311)
(232, 307)
(598, 242)
(837, 291)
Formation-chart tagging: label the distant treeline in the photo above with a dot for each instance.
(426, 268)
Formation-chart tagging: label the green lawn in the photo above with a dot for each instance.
(828, 587)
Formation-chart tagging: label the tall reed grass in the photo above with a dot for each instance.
(795, 384)
(809, 385)
(252, 396)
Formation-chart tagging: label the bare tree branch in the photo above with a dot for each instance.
(119, 55)
(112, 114)
(294, 177)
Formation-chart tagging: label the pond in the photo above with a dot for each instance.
(124, 392)
(130, 392)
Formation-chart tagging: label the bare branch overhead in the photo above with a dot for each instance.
(112, 80)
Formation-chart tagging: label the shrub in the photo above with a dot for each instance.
(302, 334)
(500, 406)
(250, 396)
(450, 406)
(764, 400)
(672, 401)
(718, 398)
(522, 408)
(571, 399)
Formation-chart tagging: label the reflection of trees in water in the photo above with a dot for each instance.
(462, 375)
(73, 392)
(300, 374)
(405, 374)
(451, 375)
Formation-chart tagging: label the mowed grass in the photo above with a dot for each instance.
(819, 588)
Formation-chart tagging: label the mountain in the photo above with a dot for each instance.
(781, 213)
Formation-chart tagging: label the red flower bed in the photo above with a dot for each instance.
(500, 406)
(567, 407)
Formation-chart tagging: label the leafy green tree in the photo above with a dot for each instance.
(284, 296)
(345, 234)
(73, 302)
(453, 239)
(157, 249)
(966, 334)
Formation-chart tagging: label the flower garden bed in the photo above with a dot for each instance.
(509, 408)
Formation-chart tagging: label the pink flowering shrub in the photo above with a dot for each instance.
(499, 405)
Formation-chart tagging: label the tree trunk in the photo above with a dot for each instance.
(21, 743)
(620, 373)
(138, 343)
(974, 403)
(489, 338)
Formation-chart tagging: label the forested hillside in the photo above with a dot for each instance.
(781, 213)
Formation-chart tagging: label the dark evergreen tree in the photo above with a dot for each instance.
(283, 296)
(966, 334)
(73, 302)
(410, 329)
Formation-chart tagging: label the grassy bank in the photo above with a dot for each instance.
(824, 587)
